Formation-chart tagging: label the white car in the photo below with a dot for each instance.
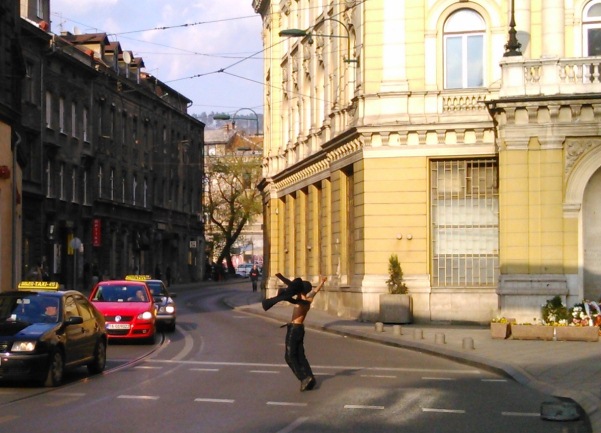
(244, 269)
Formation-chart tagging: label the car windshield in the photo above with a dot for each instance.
(29, 307)
(120, 293)
(157, 288)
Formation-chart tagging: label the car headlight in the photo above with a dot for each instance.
(23, 346)
(170, 309)
(146, 315)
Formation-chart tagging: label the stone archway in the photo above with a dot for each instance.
(583, 189)
(591, 237)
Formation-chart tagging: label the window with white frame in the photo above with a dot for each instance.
(100, 182)
(464, 50)
(112, 183)
(84, 124)
(74, 197)
(134, 189)
(61, 182)
(73, 119)
(49, 179)
(465, 223)
(48, 110)
(85, 187)
(61, 114)
(591, 27)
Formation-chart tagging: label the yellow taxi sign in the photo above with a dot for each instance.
(138, 277)
(38, 285)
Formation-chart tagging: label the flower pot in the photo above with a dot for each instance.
(577, 333)
(500, 330)
(396, 308)
(532, 332)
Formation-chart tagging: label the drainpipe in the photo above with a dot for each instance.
(14, 212)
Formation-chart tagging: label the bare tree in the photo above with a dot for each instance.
(231, 199)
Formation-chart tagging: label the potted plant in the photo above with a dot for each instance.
(396, 305)
(500, 327)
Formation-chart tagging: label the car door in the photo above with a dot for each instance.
(75, 335)
(90, 326)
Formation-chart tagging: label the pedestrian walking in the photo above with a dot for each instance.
(301, 293)
(254, 277)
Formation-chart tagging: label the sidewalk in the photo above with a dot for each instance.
(560, 368)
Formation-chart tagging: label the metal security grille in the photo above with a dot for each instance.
(465, 223)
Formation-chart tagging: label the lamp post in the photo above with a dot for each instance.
(512, 48)
(299, 33)
(225, 116)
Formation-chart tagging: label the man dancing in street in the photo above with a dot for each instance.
(301, 293)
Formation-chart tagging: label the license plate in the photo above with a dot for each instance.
(117, 326)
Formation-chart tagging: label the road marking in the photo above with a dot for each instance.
(7, 418)
(70, 394)
(360, 406)
(214, 400)
(147, 367)
(426, 409)
(140, 397)
(494, 380)
(291, 427)
(437, 378)
(316, 367)
(520, 414)
(378, 376)
(204, 369)
(285, 403)
(264, 371)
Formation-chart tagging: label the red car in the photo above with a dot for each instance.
(127, 307)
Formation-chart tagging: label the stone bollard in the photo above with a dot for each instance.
(418, 334)
(468, 343)
(379, 327)
(439, 338)
(396, 330)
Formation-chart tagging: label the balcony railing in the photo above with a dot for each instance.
(548, 77)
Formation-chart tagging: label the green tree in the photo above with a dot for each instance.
(395, 281)
(231, 200)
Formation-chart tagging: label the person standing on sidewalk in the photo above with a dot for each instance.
(254, 277)
(295, 335)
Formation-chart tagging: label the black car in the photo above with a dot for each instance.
(163, 300)
(44, 330)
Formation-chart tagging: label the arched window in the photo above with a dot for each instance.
(591, 27)
(464, 50)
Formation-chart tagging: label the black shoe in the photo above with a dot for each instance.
(308, 383)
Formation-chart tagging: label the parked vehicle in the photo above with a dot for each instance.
(243, 269)
(45, 330)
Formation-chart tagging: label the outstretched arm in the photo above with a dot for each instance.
(314, 291)
(283, 278)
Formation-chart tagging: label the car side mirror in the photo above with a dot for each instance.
(74, 320)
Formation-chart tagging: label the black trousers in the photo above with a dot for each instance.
(295, 351)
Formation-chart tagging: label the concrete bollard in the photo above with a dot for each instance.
(418, 334)
(379, 327)
(439, 338)
(396, 330)
(468, 343)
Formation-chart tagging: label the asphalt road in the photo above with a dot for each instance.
(223, 371)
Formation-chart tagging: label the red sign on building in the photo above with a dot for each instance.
(96, 232)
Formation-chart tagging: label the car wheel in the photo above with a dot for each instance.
(56, 369)
(99, 362)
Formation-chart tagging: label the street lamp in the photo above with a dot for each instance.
(299, 33)
(225, 116)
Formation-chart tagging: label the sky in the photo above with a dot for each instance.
(184, 43)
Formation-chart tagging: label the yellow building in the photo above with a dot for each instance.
(462, 136)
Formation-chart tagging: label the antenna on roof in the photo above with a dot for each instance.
(127, 57)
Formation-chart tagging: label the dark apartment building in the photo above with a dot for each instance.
(112, 179)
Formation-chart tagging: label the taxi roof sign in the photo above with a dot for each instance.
(138, 277)
(38, 285)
